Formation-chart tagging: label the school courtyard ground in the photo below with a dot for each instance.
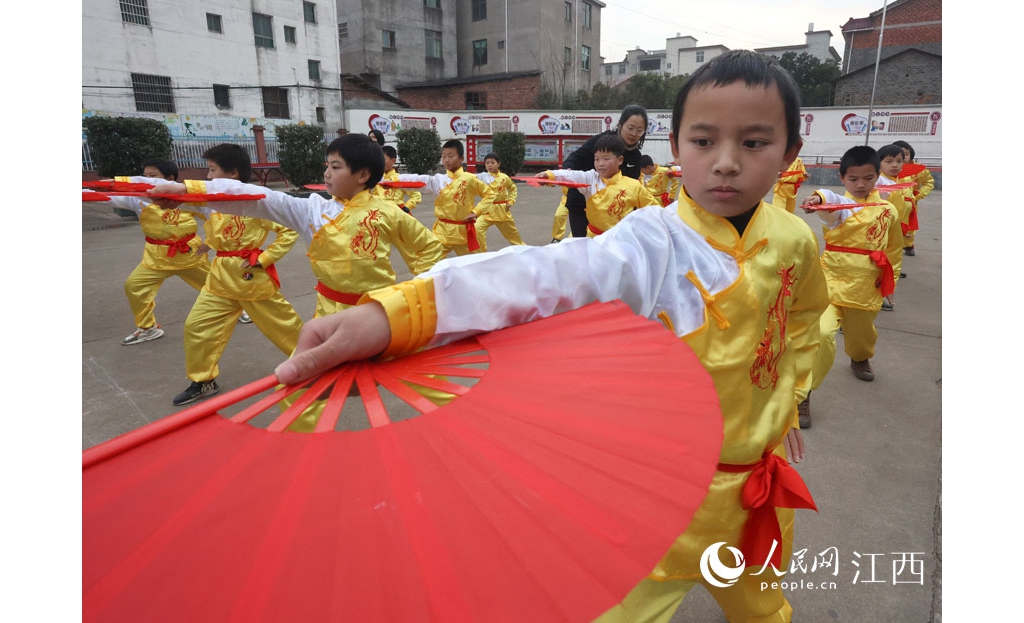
(872, 552)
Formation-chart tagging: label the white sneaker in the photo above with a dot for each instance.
(143, 335)
(245, 319)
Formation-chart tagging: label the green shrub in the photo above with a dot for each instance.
(511, 150)
(119, 145)
(419, 150)
(301, 153)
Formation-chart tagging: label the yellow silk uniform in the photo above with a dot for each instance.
(902, 201)
(925, 185)
(851, 277)
(757, 337)
(784, 192)
(455, 191)
(561, 217)
(401, 197)
(496, 209)
(161, 261)
(657, 184)
(230, 289)
(609, 200)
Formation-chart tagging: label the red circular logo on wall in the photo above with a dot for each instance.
(936, 116)
(515, 118)
(808, 117)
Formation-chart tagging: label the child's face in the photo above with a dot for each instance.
(906, 155)
(606, 163)
(648, 170)
(451, 159)
(389, 163)
(731, 146)
(214, 172)
(891, 165)
(340, 180)
(492, 166)
(152, 171)
(860, 180)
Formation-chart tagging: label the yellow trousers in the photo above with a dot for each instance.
(461, 249)
(859, 333)
(908, 239)
(507, 229)
(143, 284)
(558, 226)
(720, 518)
(212, 320)
(786, 203)
(826, 353)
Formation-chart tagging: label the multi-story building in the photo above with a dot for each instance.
(222, 63)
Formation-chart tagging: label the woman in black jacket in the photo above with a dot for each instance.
(632, 128)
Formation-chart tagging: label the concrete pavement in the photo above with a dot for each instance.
(874, 451)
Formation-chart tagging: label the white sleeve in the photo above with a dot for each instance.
(303, 215)
(135, 204)
(589, 177)
(835, 219)
(643, 261)
(434, 183)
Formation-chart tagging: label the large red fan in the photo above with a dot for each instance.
(540, 181)
(384, 183)
(835, 207)
(544, 492)
(180, 197)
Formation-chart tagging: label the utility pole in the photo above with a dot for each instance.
(874, 81)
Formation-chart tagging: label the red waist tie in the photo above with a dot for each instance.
(471, 240)
(253, 255)
(346, 298)
(772, 483)
(173, 246)
(597, 232)
(886, 281)
(912, 221)
(666, 198)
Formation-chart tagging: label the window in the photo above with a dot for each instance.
(479, 10)
(651, 64)
(607, 70)
(309, 12)
(321, 115)
(622, 68)
(567, 56)
(847, 99)
(275, 103)
(586, 15)
(568, 11)
(289, 34)
(501, 44)
(700, 56)
(585, 58)
(433, 44)
(480, 52)
(476, 100)
(135, 12)
(152, 93)
(433, 4)
(263, 29)
(314, 70)
(221, 96)
(387, 39)
(343, 30)
(213, 23)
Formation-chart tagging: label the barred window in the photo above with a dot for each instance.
(135, 12)
(221, 96)
(343, 30)
(152, 93)
(275, 103)
(476, 100)
(263, 29)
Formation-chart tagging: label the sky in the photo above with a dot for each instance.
(736, 24)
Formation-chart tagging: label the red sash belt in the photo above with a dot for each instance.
(346, 298)
(253, 255)
(597, 232)
(886, 281)
(772, 483)
(173, 246)
(912, 221)
(471, 240)
(666, 198)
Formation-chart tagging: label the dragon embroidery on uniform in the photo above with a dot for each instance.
(235, 230)
(617, 209)
(764, 371)
(365, 241)
(171, 217)
(879, 227)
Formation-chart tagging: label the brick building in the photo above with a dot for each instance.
(511, 91)
(910, 60)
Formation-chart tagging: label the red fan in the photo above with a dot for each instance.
(835, 207)
(400, 184)
(316, 186)
(675, 173)
(117, 186)
(892, 187)
(91, 195)
(545, 492)
(182, 197)
(911, 169)
(539, 181)
(791, 173)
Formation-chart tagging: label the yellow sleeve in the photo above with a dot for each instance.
(894, 244)
(925, 184)
(417, 244)
(810, 299)
(645, 198)
(411, 199)
(283, 242)
(513, 192)
(412, 314)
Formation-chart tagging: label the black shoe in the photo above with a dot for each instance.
(554, 241)
(903, 275)
(908, 251)
(196, 391)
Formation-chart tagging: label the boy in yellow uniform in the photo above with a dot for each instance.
(656, 180)
(455, 190)
(496, 209)
(561, 218)
(610, 195)
(860, 244)
(737, 279)
(404, 199)
(784, 192)
(890, 162)
(925, 185)
(171, 250)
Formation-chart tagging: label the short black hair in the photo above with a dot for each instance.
(610, 142)
(631, 111)
(360, 152)
(892, 150)
(165, 166)
(905, 145)
(455, 144)
(231, 157)
(377, 136)
(492, 156)
(390, 152)
(754, 70)
(859, 156)
(646, 161)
